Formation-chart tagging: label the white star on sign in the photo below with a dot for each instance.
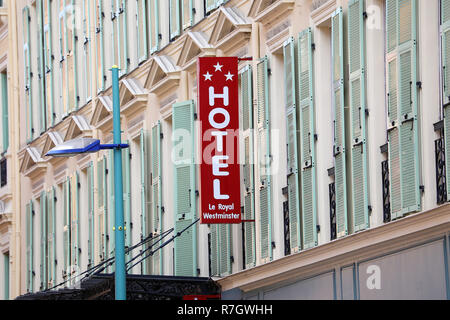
(229, 76)
(218, 67)
(208, 76)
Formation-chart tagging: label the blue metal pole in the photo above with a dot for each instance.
(120, 273)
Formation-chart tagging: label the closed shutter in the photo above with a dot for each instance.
(30, 247)
(246, 107)
(41, 68)
(126, 165)
(339, 123)
(75, 221)
(51, 238)
(26, 18)
(356, 49)
(48, 62)
(67, 228)
(445, 56)
(265, 159)
(72, 60)
(87, 49)
(154, 25)
(102, 230)
(43, 236)
(185, 188)
(307, 139)
(119, 34)
(221, 248)
(145, 230)
(292, 145)
(403, 108)
(91, 212)
(156, 196)
(111, 218)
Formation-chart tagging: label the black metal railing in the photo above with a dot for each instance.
(441, 179)
(3, 173)
(332, 195)
(287, 235)
(386, 191)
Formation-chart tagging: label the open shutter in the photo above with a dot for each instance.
(126, 165)
(111, 235)
(339, 123)
(145, 230)
(142, 42)
(102, 207)
(99, 55)
(221, 249)
(75, 221)
(48, 60)
(185, 188)
(356, 49)
(292, 145)
(265, 159)
(154, 25)
(174, 18)
(87, 49)
(122, 25)
(41, 68)
(307, 139)
(445, 53)
(187, 9)
(43, 236)
(27, 72)
(403, 108)
(246, 105)
(156, 195)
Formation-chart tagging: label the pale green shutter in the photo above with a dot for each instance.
(210, 5)
(246, 101)
(307, 139)
(154, 25)
(187, 13)
(174, 18)
(29, 246)
(27, 72)
(41, 68)
(111, 218)
(339, 130)
(91, 211)
(185, 188)
(100, 50)
(43, 236)
(5, 121)
(126, 165)
(122, 25)
(75, 220)
(292, 145)
(51, 237)
(221, 249)
(356, 49)
(48, 62)
(445, 56)
(403, 108)
(72, 36)
(66, 230)
(145, 230)
(87, 49)
(156, 193)
(265, 159)
(142, 42)
(103, 208)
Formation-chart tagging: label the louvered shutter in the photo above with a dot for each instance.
(43, 238)
(307, 139)
(221, 246)
(67, 227)
(187, 9)
(5, 117)
(111, 235)
(265, 159)
(154, 25)
(339, 127)
(51, 237)
(174, 18)
(142, 42)
(102, 208)
(292, 145)
(445, 53)
(91, 212)
(126, 176)
(403, 108)
(99, 39)
(30, 251)
(246, 107)
(156, 195)
(145, 230)
(185, 188)
(41, 68)
(75, 221)
(356, 49)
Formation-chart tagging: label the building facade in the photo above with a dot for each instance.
(342, 145)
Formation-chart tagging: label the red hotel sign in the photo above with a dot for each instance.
(218, 100)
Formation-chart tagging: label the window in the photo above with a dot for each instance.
(26, 18)
(4, 101)
(99, 45)
(119, 34)
(3, 173)
(87, 50)
(142, 42)
(181, 16)
(212, 4)
(153, 16)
